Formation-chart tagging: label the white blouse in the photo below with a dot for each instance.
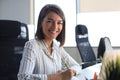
(36, 63)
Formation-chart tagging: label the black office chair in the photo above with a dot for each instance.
(13, 35)
(84, 47)
(104, 46)
(101, 48)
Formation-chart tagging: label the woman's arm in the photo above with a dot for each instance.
(70, 62)
(27, 64)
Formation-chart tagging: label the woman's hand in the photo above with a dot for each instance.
(56, 76)
(68, 74)
(62, 75)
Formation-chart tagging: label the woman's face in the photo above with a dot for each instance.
(52, 25)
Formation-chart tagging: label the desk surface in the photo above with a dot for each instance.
(89, 71)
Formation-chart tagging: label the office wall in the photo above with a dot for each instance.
(16, 10)
(99, 5)
(102, 19)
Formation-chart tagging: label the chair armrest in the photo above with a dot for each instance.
(90, 63)
(98, 60)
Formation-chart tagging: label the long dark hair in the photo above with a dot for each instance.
(46, 10)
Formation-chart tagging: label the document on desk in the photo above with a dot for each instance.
(75, 78)
(79, 78)
(89, 71)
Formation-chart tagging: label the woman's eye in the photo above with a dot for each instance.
(60, 22)
(53, 22)
(49, 21)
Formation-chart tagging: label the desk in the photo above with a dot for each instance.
(89, 71)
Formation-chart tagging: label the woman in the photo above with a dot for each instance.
(44, 57)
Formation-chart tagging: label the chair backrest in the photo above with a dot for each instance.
(101, 48)
(104, 46)
(108, 46)
(83, 44)
(13, 35)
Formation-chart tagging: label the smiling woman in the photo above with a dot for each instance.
(70, 13)
(44, 57)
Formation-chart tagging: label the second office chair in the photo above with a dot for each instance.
(84, 47)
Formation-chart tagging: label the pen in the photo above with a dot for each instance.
(63, 59)
(66, 66)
